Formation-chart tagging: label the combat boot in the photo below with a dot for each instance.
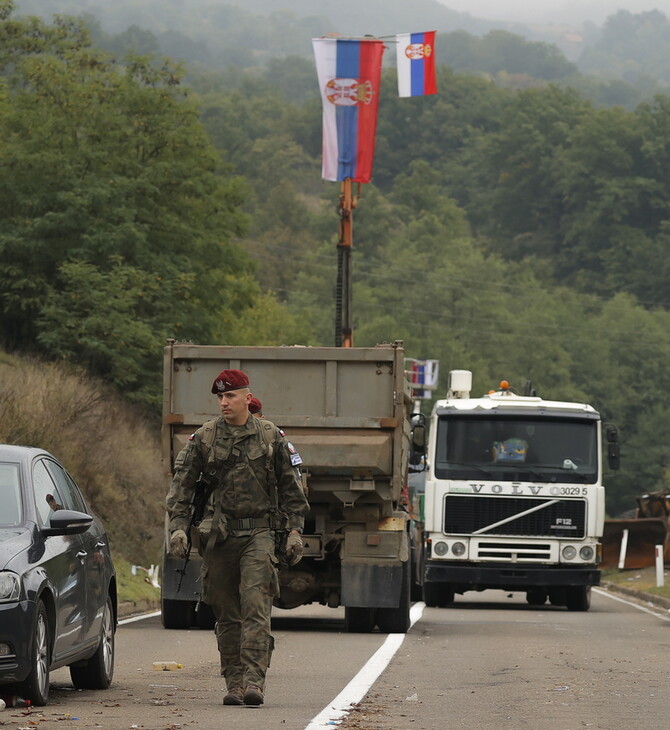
(253, 695)
(235, 696)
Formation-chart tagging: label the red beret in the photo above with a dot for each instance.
(230, 380)
(255, 406)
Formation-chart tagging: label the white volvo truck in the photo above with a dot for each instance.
(513, 498)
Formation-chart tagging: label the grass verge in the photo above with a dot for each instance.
(135, 592)
(643, 579)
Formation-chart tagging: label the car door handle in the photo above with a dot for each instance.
(99, 545)
(81, 555)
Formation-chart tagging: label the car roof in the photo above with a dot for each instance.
(12, 452)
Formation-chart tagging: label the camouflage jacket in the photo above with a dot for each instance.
(236, 467)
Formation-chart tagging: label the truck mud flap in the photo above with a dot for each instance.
(371, 586)
(190, 586)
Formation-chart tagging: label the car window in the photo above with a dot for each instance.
(47, 497)
(10, 495)
(72, 498)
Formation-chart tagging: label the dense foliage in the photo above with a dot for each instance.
(114, 207)
(631, 46)
(518, 233)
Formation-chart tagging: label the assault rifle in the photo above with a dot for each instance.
(201, 494)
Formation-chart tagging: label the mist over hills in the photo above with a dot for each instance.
(348, 17)
(573, 12)
(630, 47)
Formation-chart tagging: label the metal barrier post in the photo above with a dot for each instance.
(623, 548)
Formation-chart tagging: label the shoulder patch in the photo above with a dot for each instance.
(191, 437)
(281, 431)
(296, 459)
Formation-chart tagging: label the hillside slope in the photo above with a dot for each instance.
(110, 448)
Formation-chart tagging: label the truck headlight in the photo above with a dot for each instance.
(440, 548)
(10, 586)
(569, 552)
(458, 549)
(586, 553)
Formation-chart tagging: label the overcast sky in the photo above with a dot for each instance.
(557, 11)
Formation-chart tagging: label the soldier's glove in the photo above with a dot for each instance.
(293, 548)
(178, 544)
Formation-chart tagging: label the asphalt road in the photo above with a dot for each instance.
(489, 662)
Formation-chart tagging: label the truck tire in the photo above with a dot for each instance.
(204, 617)
(359, 620)
(438, 595)
(578, 598)
(396, 620)
(431, 593)
(536, 597)
(176, 614)
(415, 593)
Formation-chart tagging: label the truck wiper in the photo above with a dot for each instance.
(469, 465)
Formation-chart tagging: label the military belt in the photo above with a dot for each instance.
(249, 523)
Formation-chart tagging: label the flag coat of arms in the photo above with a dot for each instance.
(415, 60)
(349, 73)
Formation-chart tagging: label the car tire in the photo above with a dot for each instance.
(98, 671)
(35, 687)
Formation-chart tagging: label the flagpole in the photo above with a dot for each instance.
(344, 329)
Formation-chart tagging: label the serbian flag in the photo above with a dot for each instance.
(349, 74)
(415, 58)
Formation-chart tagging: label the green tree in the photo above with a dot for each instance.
(101, 167)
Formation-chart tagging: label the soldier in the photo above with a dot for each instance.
(247, 466)
(256, 408)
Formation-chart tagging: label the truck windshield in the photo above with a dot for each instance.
(509, 448)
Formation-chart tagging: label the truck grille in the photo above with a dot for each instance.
(464, 515)
(523, 553)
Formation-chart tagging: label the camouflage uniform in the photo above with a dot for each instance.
(239, 564)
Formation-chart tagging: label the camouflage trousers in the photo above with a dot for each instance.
(239, 582)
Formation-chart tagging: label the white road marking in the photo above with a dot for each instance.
(138, 618)
(354, 692)
(634, 605)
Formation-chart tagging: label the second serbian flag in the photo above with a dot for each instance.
(349, 73)
(415, 53)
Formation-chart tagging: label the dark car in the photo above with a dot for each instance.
(57, 582)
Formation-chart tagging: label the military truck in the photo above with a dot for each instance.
(513, 496)
(347, 412)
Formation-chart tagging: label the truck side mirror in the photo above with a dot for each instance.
(613, 451)
(613, 456)
(611, 434)
(417, 439)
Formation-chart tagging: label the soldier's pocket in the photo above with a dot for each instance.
(204, 583)
(273, 569)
